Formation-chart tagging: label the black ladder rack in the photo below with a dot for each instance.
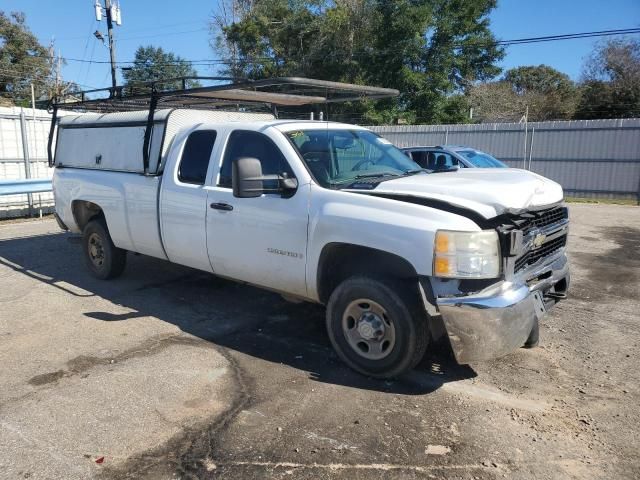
(248, 95)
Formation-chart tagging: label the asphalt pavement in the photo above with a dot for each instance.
(168, 372)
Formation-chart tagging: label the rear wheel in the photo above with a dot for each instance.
(376, 328)
(102, 257)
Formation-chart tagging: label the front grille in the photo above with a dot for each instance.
(532, 256)
(531, 220)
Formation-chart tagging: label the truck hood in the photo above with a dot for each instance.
(487, 191)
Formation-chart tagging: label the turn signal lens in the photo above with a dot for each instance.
(442, 244)
(466, 254)
(442, 266)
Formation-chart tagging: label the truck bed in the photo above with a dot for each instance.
(129, 202)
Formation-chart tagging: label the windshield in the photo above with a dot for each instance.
(342, 157)
(481, 159)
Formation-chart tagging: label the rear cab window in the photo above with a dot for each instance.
(195, 157)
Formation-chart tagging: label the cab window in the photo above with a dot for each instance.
(246, 143)
(195, 157)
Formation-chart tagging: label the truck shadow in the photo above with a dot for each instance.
(230, 315)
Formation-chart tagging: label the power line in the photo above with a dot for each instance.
(89, 63)
(154, 28)
(517, 41)
(570, 36)
(221, 61)
(17, 75)
(164, 34)
(84, 53)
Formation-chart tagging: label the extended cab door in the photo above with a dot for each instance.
(183, 199)
(259, 240)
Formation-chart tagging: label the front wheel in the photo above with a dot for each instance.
(102, 257)
(376, 327)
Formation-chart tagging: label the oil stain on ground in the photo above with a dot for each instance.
(46, 378)
(82, 363)
(615, 273)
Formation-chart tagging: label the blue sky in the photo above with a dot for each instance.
(182, 27)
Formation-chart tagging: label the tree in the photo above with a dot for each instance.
(611, 81)
(538, 79)
(229, 12)
(23, 61)
(154, 64)
(430, 50)
(495, 102)
(545, 92)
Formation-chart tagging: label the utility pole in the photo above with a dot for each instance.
(112, 12)
(58, 74)
(112, 48)
(525, 119)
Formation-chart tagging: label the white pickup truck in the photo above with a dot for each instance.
(323, 212)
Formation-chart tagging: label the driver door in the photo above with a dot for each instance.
(261, 240)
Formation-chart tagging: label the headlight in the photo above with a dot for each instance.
(466, 254)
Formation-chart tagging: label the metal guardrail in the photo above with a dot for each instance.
(25, 186)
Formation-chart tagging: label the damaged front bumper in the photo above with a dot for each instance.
(499, 319)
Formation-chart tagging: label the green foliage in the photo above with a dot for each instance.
(430, 50)
(545, 92)
(611, 81)
(539, 79)
(23, 61)
(153, 64)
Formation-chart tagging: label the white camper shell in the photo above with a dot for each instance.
(114, 141)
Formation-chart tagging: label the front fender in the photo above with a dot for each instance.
(403, 229)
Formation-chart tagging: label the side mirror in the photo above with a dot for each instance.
(246, 178)
(287, 185)
(248, 182)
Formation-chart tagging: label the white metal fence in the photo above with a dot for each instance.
(23, 154)
(593, 158)
(597, 158)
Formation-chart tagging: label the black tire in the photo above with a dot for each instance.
(401, 313)
(103, 259)
(534, 336)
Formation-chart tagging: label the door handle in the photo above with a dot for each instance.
(221, 206)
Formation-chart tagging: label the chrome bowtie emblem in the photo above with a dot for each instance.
(539, 239)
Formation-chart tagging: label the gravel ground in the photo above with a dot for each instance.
(171, 373)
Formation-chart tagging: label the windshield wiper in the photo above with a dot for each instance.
(375, 175)
(362, 176)
(414, 171)
(448, 169)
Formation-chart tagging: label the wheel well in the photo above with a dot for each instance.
(339, 261)
(84, 211)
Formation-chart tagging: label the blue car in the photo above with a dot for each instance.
(447, 157)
